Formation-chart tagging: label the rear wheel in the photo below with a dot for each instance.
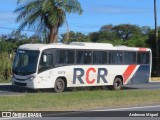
(117, 85)
(59, 85)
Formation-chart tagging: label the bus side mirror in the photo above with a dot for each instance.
(44, 58)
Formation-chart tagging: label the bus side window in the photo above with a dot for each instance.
(119, 57)
(143, 58)
(61, 56)
(70, 57)
(79, 57)
(99, 57)
(129, 58)
(84, 57)
(115, 57)
(87, 57)
(65, 56)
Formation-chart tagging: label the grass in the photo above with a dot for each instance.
(78, 100)
(2, 80)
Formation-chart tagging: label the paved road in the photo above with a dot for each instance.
(145, 86)
(8, 89)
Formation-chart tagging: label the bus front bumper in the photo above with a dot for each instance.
(23, 83)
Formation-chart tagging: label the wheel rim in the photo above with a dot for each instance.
(117, 84)
(59, 86)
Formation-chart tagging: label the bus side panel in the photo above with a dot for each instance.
(45, 79)
(89, 75)
(142, 75)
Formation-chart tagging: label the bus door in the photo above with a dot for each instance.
(45, 68)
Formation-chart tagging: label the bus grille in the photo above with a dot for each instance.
(20, 84)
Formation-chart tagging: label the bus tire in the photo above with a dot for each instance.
(117, 85)
(59, 85)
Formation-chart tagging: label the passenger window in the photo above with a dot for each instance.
(143, 58)
(129, 58)
(99, 57)
(84, 57)
(61, 57)
(65, 56)
(115, 57)
(70, 56)
(80, 57)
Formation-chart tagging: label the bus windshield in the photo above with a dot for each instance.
(25, 62)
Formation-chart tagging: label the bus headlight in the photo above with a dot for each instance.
(31, 77)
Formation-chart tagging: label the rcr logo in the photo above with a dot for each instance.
(78, 73)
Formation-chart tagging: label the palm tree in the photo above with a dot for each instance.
(45, 16)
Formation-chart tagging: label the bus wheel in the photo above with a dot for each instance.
(59, 85)
(117, 85)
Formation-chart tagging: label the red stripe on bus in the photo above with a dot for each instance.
(128, 72)
(142, 49)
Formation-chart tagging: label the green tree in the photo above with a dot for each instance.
(74, 37)
(6, 46)
(5, 65)
(106, 28)
(151, 42)
(3, 37)
(107, 33)
(45, 15)
(109, 36)
(16, 36)
(35, 39)
(145, 30)
(94, 36)
(126, 31)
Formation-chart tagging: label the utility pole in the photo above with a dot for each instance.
(156, 38)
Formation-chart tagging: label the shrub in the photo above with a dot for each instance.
(5, 66)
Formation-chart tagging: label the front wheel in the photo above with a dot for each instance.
(117, 85)
(59, 85)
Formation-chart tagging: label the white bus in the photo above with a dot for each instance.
(78, 64)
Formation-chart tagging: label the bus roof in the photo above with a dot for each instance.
(80, 45)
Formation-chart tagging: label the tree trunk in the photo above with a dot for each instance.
(53, 37)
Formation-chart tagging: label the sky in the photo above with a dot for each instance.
(96, 13)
